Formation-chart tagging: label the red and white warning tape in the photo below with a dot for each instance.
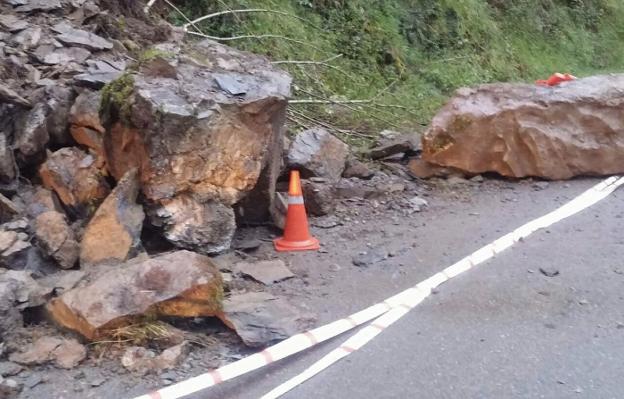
(416, 295)
(384, 314)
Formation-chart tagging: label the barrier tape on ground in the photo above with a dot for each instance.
(384, 313)
(423, 290)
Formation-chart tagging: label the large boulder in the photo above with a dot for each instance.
(114, 232)
(520, 130)
(201, 124)
(182, 284)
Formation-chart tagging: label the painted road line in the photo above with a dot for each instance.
(357, 341)
(300, 342)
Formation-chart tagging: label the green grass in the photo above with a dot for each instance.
(415, 53)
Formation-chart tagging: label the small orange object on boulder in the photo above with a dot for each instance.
(556, 79)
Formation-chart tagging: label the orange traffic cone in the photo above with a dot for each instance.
(296, 233)
(556, 79)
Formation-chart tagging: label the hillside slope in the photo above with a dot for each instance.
(414, 53)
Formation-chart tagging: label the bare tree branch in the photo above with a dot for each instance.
(259, 37)
(251, 10)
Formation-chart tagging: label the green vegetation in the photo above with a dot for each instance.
(115, 96)
(152, 53)
(414, 53)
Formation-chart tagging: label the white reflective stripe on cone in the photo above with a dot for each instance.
(295, 200)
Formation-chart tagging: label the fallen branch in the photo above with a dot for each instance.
(308, 62)
(187, 19)
(346, 105)
(251, 10)
(260, 37)
(330, 126)
(149, 5)
(311, 101)
(319, 63)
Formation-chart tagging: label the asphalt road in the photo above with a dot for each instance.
(503, 330)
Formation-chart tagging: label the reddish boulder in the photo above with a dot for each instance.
(182, 284)
(520, 130)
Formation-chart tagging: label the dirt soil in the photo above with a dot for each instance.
(327, 282)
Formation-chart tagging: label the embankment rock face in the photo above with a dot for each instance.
(201, 124)
(520, 130)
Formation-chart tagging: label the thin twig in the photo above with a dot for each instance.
(330, 126)
(346, 105)
(312, 101)
(320, 63)
(252, 10)
(385, 89)
(308, 62)
(267, 36)
(298, 122)
(184, 16)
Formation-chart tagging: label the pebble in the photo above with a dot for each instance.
(549, 271)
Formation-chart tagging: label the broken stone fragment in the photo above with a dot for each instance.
(65, 353)
(317, 153)
(7, 161)
(141, 360)
(39, 200)
(8, 209)
(199, 149)
(18, 290)
(59, 101)
(77, 37)
(261, 319)
(38, 5)
(27, 39)
(356, 168)
(267, 272)
(178, 284)
(96, 80)
(12, 24)
(114, 232)
(10, 96)
(16, 255)
(57, 239)
(521, 130)
(85, 125)
(31, 134)
(207, 227)
(370, 257)
(319, 198)
(73, 175)
(66, 54)
(422, 169)
(393, 143)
